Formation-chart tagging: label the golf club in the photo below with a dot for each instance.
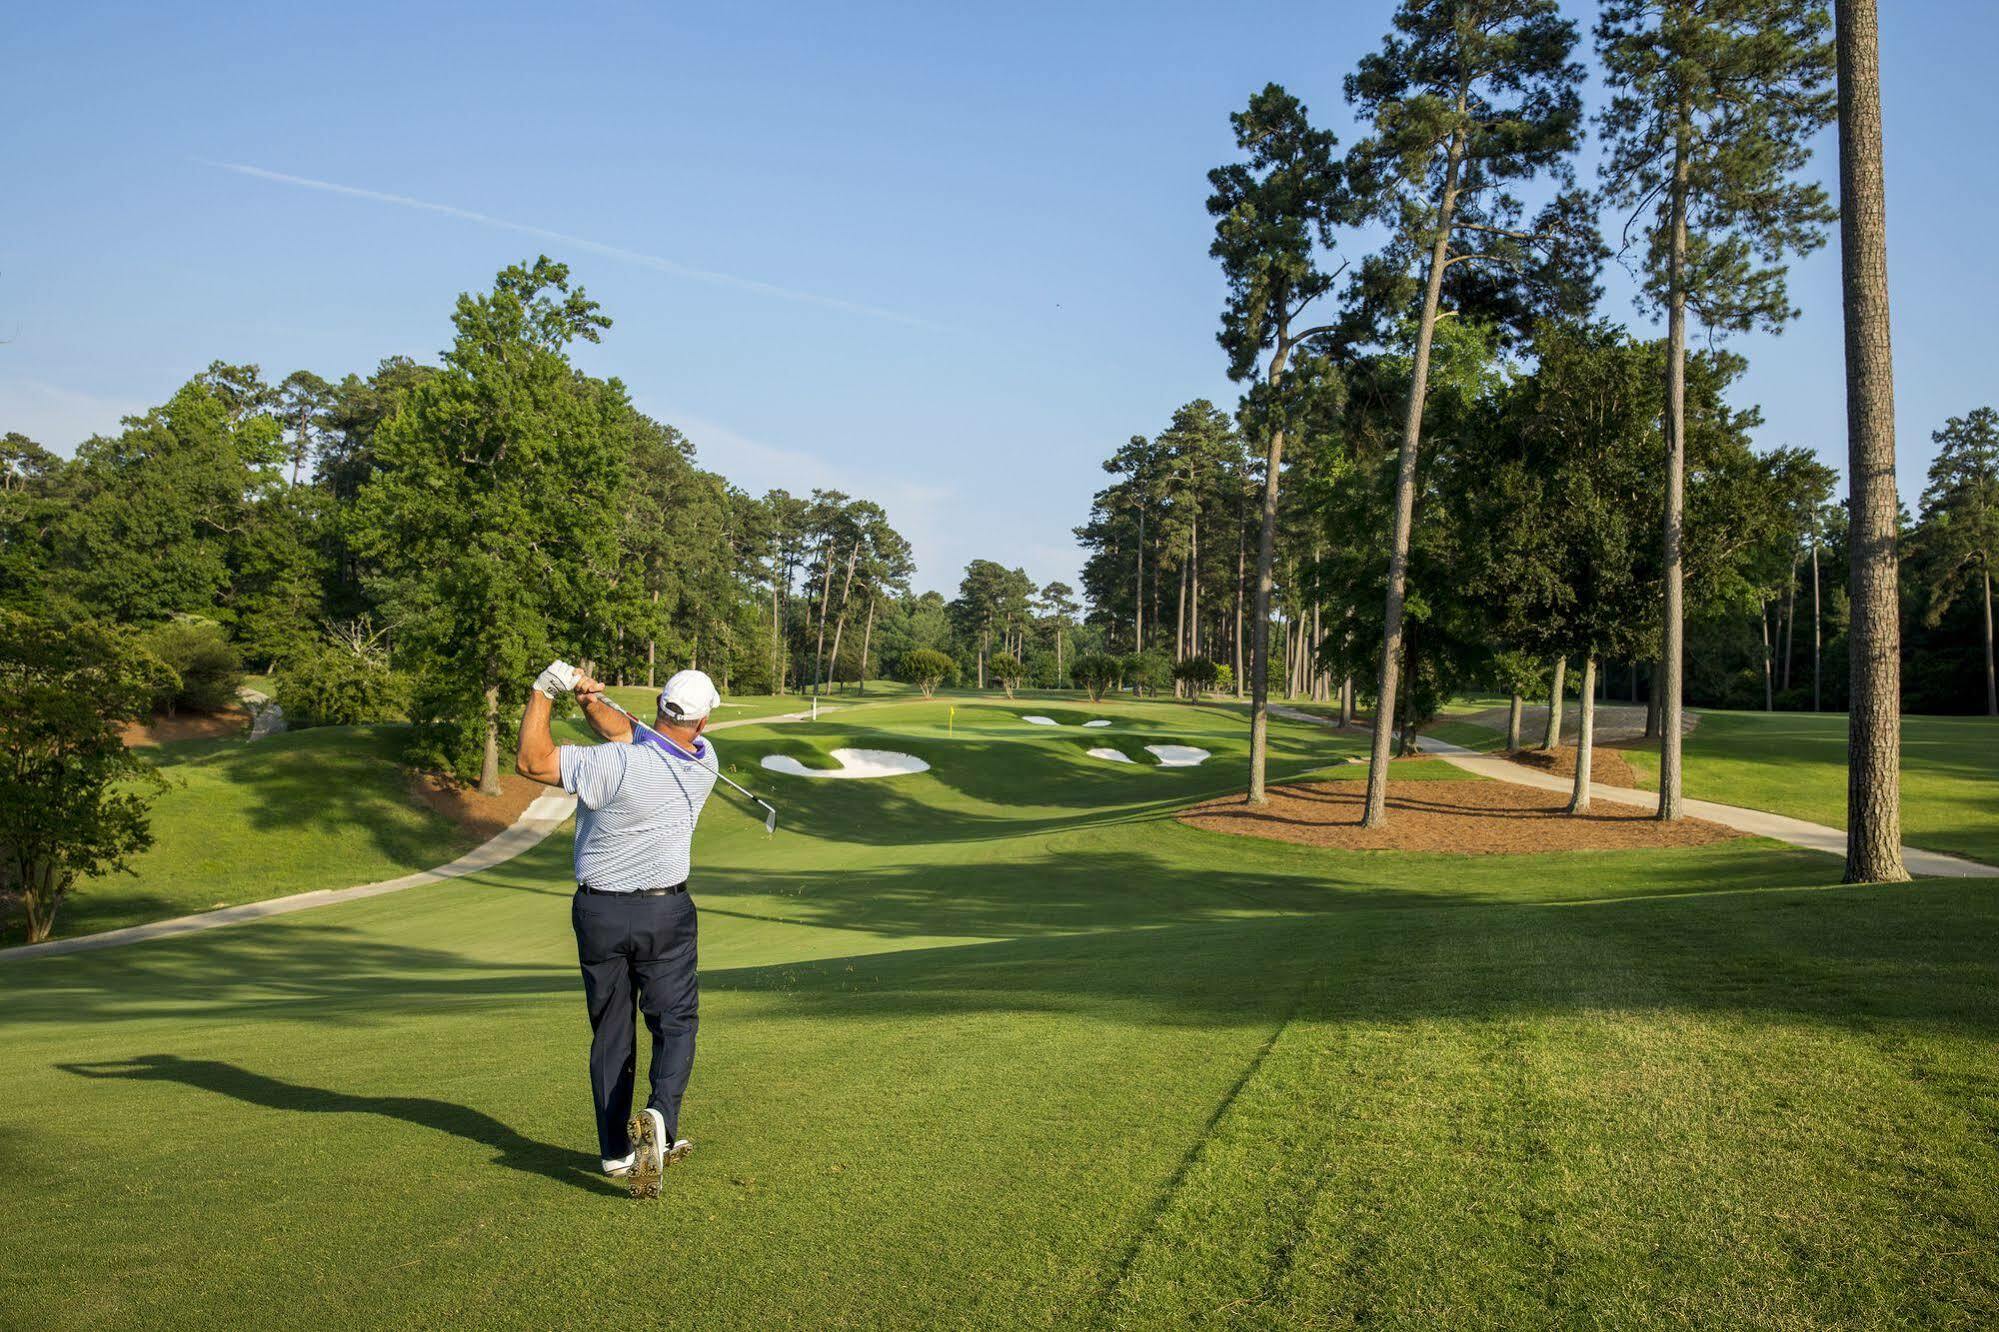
(770, 820)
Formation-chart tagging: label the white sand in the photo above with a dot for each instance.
(1041, 721)
(853, 763)
(1111, 755)
(1178, 756)
(1098, 722)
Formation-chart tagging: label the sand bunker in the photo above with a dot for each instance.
(1112, 755)
(1098, 722)
(854, 763)
(1178, 756)
(1040, 721)
(1466, 817)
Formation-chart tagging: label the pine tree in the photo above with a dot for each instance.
(1464, 100)
(1275, 214)
(1714, 106)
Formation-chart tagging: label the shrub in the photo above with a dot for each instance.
(1197, 673)
(207, 670)
(333, 686)
(1098, 672)
(1224, 679)
(1005, 668)
(1148, 672)
(927, 668)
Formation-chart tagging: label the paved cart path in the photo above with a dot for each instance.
(1760, 823)
(542, 817)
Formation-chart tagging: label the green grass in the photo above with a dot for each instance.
(1002, 1045)
(302, 810)
(1795, 763)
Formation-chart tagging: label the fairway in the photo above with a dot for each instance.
(1003, 1044)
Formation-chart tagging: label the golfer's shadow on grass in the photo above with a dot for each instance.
(515, 1149)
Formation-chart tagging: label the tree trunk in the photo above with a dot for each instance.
(1991, 681)
(1770, 697)
(1239, 567)
(1194, 584)
(1874, 712)
(840, 623)
(1585, 739)
(867, 637)
(1790, 622)
(1376, 812)
(1818, 645)
(1138, 585)
(489, 761)
(1551, 738)
(825, 601)
(1513, 722)
(1180, 629)
(652, 648)
(1259, 626)
(1667, 684)
(1346, 701)
(776, 638)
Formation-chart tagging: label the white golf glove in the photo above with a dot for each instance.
(559, 678)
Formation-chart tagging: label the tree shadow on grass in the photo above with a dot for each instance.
(514, 1149)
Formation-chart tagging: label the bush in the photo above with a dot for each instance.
(206, 666)
(1198, 674)
(1148, 672)
(1098, 672)
(927, 668)
(333, 686)
(1224, 679)
(1041, 672)
(1007, 670)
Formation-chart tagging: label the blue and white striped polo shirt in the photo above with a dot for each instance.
(636, 805)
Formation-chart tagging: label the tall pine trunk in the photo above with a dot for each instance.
(846, 592)
(868, 636)
(1790, 622)
(825, 600)
(1376, 811)
(1991, 681)
(1240, 563)
(1769, 695)
(1874, 716)
(489, 760)
(1259, 618)
(1818, 633)
(1551, 738)
(1672, 654)
(1585, 739)
(1513, 722)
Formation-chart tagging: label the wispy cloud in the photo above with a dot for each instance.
(643, 260)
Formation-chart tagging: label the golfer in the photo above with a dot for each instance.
(637, 798)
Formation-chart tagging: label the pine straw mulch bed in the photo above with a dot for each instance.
(1606, 765)
(482, 816)
(155, 731)
(1470, 817)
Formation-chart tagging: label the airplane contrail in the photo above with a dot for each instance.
(652, 261)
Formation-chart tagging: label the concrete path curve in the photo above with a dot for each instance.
(1761, 823)
(543, 816)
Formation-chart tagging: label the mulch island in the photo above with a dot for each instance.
(483, 816)
(1470, 817)
(1606, 765)
(187, 726)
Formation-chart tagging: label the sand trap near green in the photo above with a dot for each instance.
(854, 764)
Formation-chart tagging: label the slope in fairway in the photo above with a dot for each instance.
(1002, 1044)
(240, 822)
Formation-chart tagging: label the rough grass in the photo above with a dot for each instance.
(1795, 763)
(1001, 1045)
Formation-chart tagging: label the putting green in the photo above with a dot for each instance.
(1001, 1044)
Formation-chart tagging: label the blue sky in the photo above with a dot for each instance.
(943, 256)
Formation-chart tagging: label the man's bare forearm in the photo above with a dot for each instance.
(536, 756)
(605, 720)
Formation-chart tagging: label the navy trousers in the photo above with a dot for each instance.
(637, 952)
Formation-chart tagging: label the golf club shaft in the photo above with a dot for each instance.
(716, 768)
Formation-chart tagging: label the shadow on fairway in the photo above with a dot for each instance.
(514, 1150)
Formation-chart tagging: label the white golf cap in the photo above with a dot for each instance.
(689, 696)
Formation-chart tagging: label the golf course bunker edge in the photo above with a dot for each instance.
(854, 764)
